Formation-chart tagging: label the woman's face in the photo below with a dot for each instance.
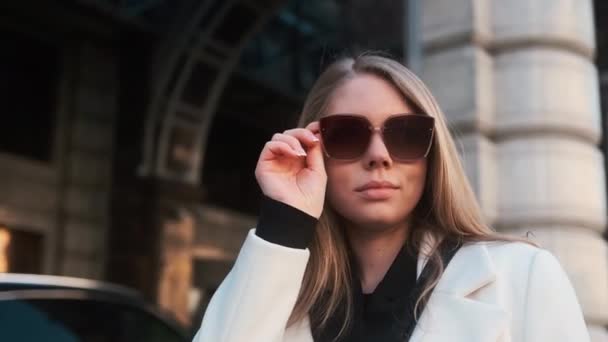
(378, 209)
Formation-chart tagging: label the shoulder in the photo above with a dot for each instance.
(518, 260)
(538, 292)
(511, 252)
(514, 251)
(532, 285)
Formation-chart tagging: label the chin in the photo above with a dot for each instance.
(365, 212)
(375, 221)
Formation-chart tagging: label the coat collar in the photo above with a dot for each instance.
(464, 304)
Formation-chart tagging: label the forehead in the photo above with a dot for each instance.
(368, 95)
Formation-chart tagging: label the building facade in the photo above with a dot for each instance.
(122, 119)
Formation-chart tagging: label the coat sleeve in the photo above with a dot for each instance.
(256, 298)
(552, 311)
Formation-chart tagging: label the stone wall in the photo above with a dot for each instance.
(66, 200)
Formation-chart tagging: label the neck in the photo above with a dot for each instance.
(375, 251)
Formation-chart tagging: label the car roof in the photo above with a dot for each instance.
(17, 281)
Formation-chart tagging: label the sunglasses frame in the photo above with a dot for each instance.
(380, 129)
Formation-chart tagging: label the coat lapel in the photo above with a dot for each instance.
(464, 304)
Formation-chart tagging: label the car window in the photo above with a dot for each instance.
(70, 320)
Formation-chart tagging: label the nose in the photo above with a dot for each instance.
(377, 154)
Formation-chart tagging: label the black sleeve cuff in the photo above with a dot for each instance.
(284, 225)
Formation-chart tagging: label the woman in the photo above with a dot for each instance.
(365, 206)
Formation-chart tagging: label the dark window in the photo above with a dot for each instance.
(211, 11)
(235, 25)
(29, 71)
(179, 68)
(248, 115)
(200, 82)
(20, 251)
(230, 159)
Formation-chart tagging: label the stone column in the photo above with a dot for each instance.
(175, 278)
(86, 172)
(517, 82)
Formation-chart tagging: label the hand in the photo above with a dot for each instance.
(291, 169)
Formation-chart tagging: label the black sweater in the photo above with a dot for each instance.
(378, 316)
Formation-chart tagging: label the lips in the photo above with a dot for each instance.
(377, 185)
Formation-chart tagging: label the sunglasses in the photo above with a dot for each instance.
(407, 137)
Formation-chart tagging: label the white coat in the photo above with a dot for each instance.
(489, 292)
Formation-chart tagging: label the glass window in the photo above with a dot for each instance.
(29, 70)
(69, 320)
(20, 251)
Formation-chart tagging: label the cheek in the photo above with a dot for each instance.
(414, 180)
(341, 180)
(339, 183)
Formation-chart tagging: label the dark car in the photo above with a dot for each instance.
(63, 309)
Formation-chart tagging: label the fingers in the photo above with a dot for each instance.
(282, 148)
(297, 138)
(310, 136)
(300, 142)
(292, 141)
(303, 135)
(314, 127)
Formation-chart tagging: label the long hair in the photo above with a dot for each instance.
(447, 207)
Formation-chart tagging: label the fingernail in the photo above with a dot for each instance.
(302, 153)
(315, 139)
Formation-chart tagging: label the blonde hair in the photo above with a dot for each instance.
(447, 207)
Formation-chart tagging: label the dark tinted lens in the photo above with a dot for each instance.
(408, 137)
(344, 137)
